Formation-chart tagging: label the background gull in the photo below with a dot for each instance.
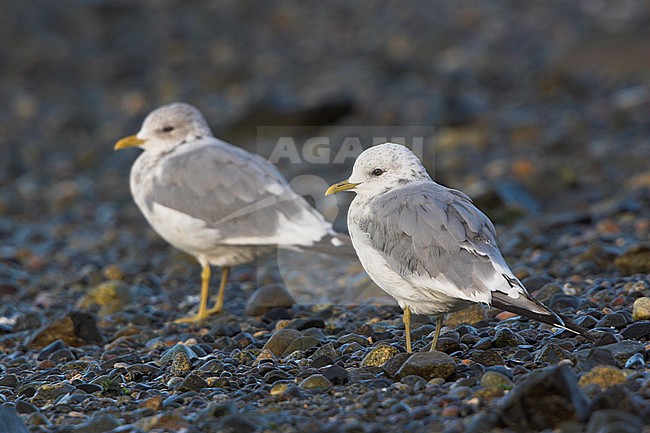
(428, 246)
(215, 201)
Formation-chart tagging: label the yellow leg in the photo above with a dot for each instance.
(203, 304)
(407, 328)
(439, 321)
(218, 306)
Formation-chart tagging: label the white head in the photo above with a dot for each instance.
(382, 168)
(167, 127)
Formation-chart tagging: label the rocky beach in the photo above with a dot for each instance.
(539, 111)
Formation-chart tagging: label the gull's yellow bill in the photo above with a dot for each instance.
(341, 186)
(130, 141)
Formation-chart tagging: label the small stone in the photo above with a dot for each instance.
(181, 364)
(99, 423)
(392, 366)
(75, 329)
(552, 354)
(506, 338)
(505, 315)
(635, 361)
(641, 309)
(544, 400)
(616, 397)
(303, 323)
(327, 351)
(265, 355)
(336, 374)
(451, 411)
(482, 422)
(62, 355)
(9, 380)
(486, 358)
(494, 379)
(379, 355)
(89, 388)
(322, 361)
(192, 383)
(238, 423)
(637, 330)
(279, 388)
(447, 345)
(536, 282)
(545, 293)
(25, 407)
(302, 343)
(428, 365)
(614, 320)
(170, 354)
(614, 421)
(489, 394)
(470, 316)
(483, 344)
(267, 298)
(110, 297)
(604, 376)
(563, 301)
(634, 261)
(624, 350)
(315, 382)
(48, 392)
(280, 341)
(587, 359)
(50, 349)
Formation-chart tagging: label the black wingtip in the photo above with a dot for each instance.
(502, 301)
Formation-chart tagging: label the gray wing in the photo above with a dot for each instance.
(429, 231)
(241, 195)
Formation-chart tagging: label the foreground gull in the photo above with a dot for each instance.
(428, 246)
(215, 201)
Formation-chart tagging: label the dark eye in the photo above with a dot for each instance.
(168, 129)
(377, 172)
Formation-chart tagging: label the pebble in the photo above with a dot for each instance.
(603, 376)
(267, 298)
(315, 382)
(544, 401)
(75, 329)
(428, 365)
(302, 343)
(637, 330)
(641, 309)
(487, 357)
(379, 355)
(494, 379)
(47, 392)
(614, 421)
(281, 340)
(336, 374)
(110, 296)
(171, 354)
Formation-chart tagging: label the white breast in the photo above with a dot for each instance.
(421, 295)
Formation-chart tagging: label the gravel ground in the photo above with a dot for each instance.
(538, 110)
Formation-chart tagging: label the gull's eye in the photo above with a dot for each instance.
(168, 129)
(377, 172)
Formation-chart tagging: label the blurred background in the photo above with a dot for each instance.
(551, 96)
(538, 110)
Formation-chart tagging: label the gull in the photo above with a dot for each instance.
(215, 201)
(428, 246)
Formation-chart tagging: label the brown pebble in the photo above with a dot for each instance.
(451, 410)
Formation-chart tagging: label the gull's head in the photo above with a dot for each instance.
(168, 126)
(382, 168)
